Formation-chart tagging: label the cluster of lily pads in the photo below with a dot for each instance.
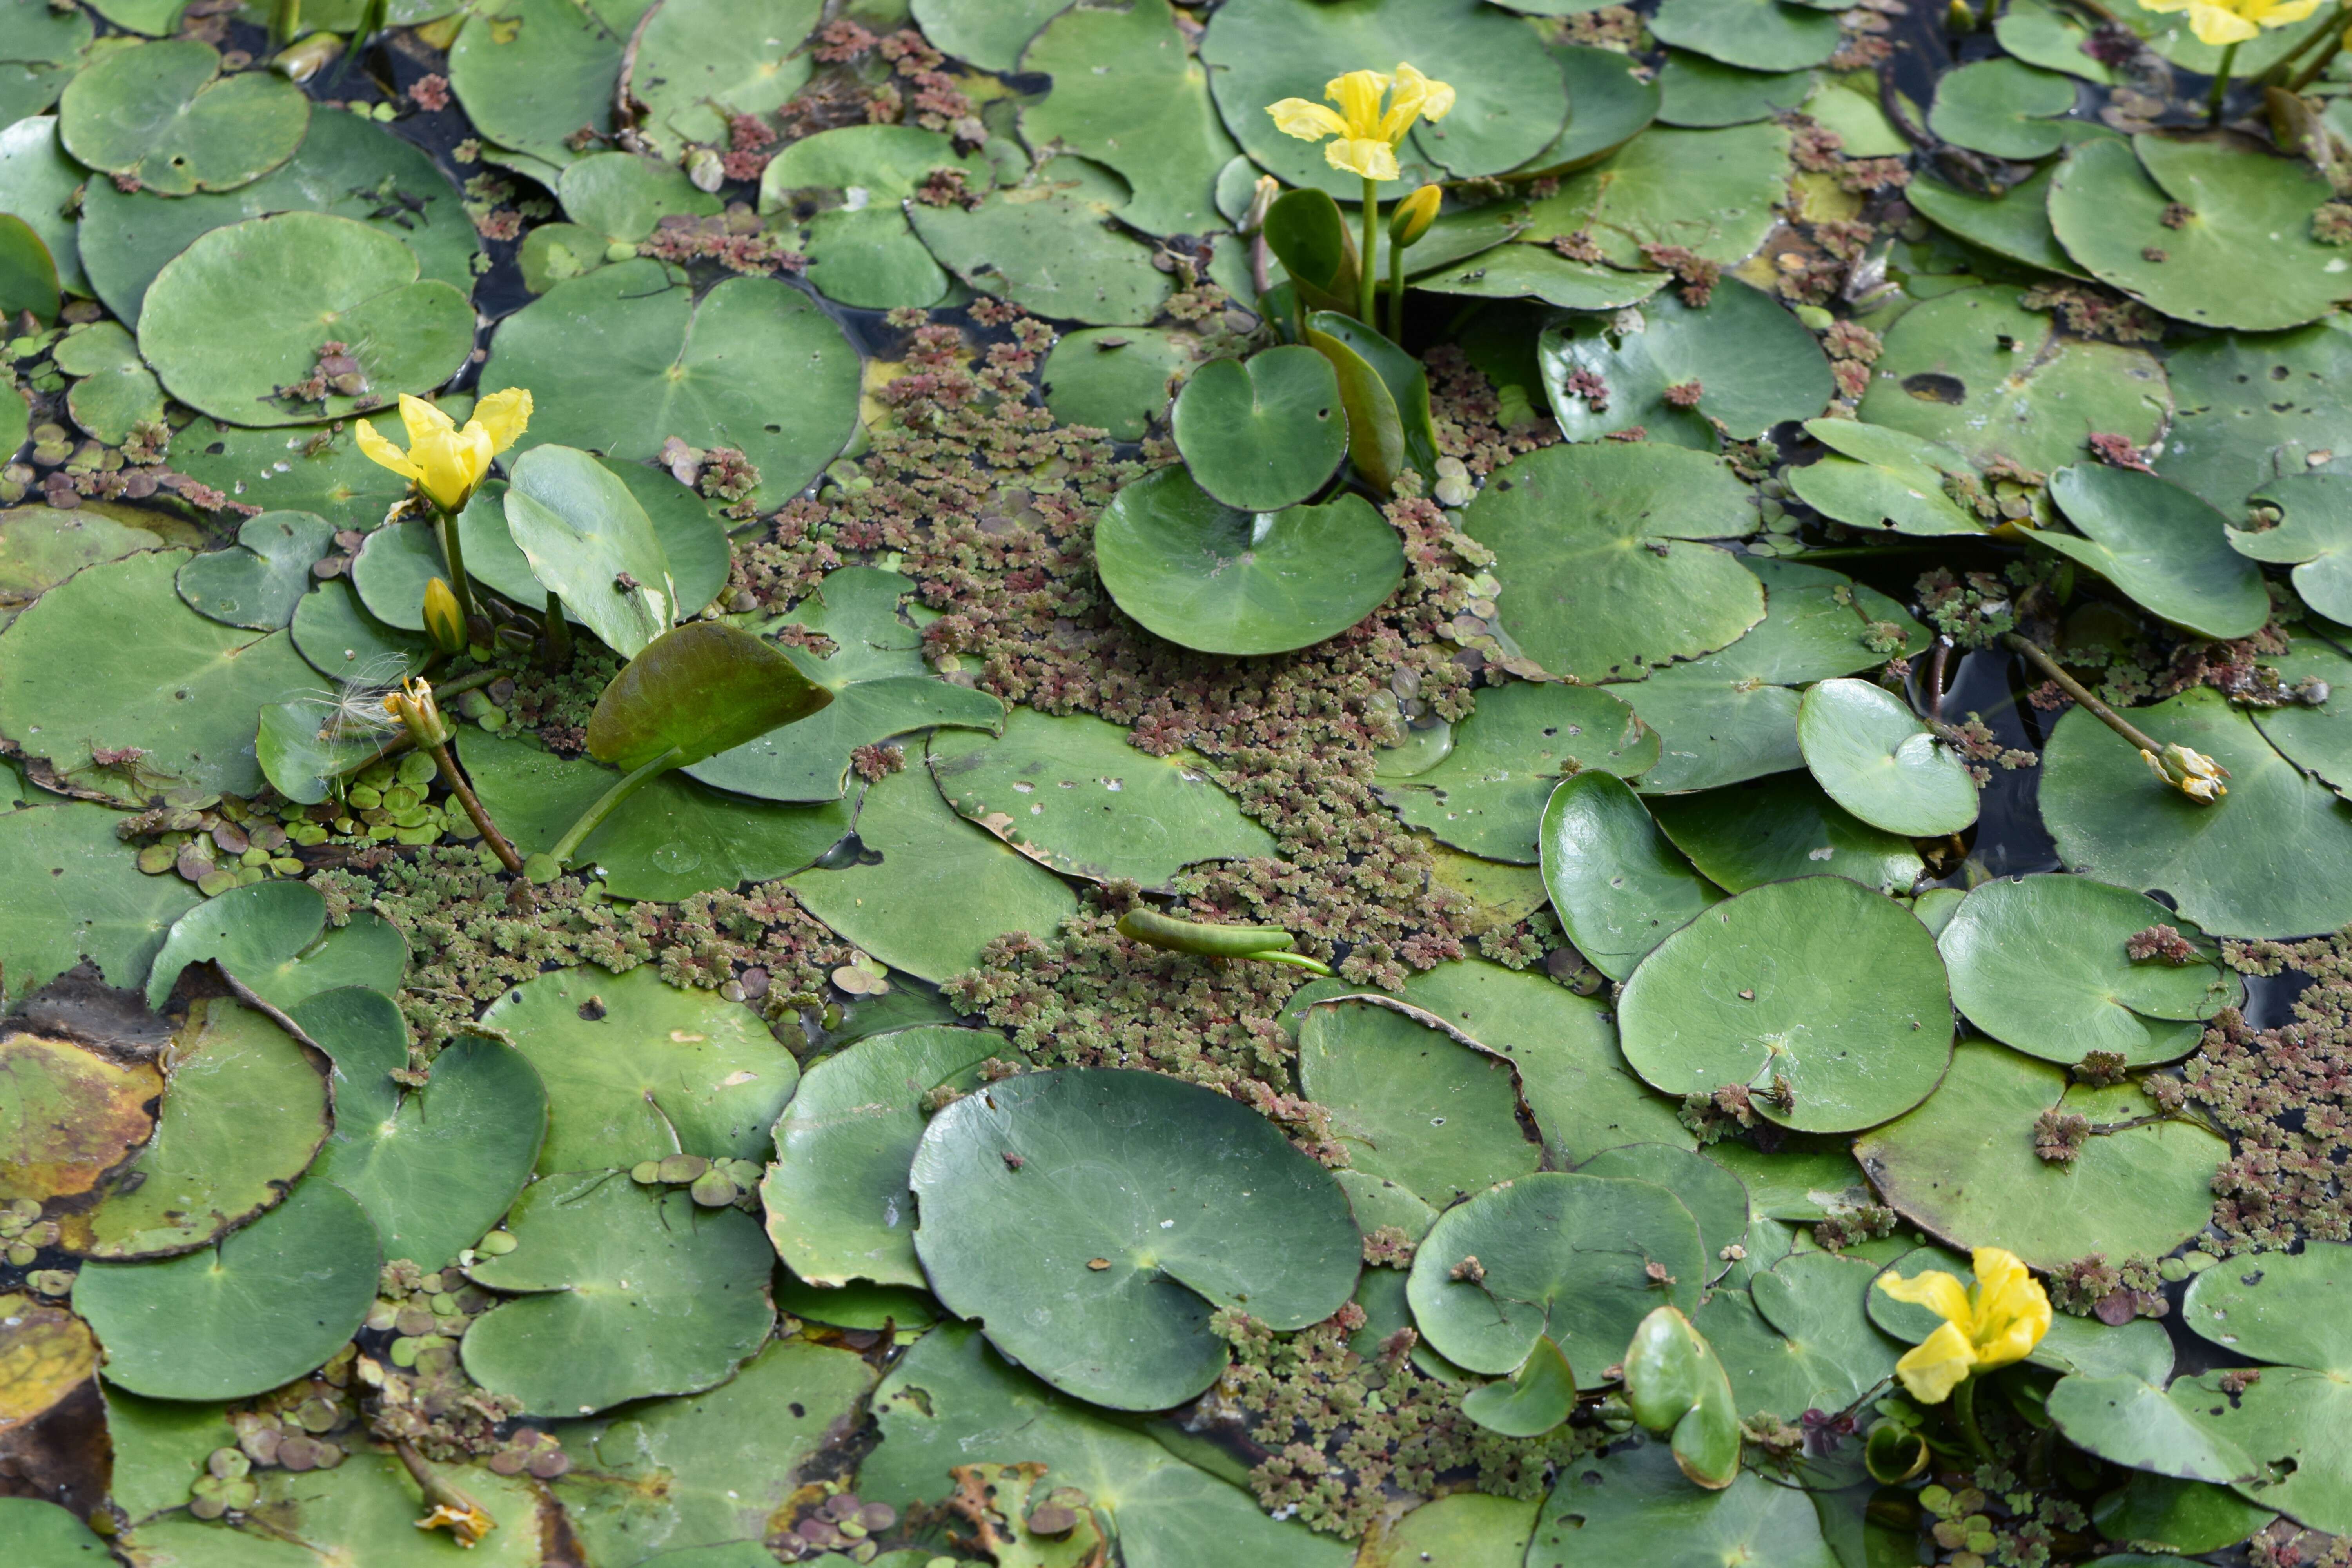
(1815, 399)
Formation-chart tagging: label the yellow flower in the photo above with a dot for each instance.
(443, 461)
(414, 706)
(1414, 216)
(1367, 134)
(2220, 22)
(1998, 1323)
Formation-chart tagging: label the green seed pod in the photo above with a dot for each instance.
(1270, 943)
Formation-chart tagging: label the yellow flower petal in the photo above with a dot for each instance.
(1370, 156)
(505, 415)
(1358, 94)
(450, 463)
(379, 448)
(2219, 24)
(1940, 1292)
(2012, 1310)
(422, 419)
(1933, 1368)
(1416, 97)
(1308, 122)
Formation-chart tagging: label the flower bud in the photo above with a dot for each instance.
(2193, 774)
(1413, 215)
(443, 623)
(414, 706)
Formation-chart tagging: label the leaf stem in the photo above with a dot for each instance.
(2080, 692)
(2220, 84)
(1964, 1405)
(558, 629)
(472, 805)
(454, 553)
(398, 740)
(1366, 269)
(627, 786)
(2333, 35)
(1396, 291)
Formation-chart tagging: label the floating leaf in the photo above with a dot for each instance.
(1617, 883)
(1826, 1001)
(2014, 224)
(1264, 433)
(68, 1115)
(1072, 793)
(987, 33)
(1881, 762)
(2257, 409)
(1410, 1105)
(69, 892)
(2314, 534)
(258, 582)
(1488, 795)
(1741, 361)
(1880, 476)
(636, 1069)
(697, 64)
(1712, 193)
(1048, 247)
(1207, 576)
(529, 73)
(592, 545)
(37, 180)
(1771, 829)
(1611, 102)
(1083, 1216)
(2161, 546)
(273, 937)
(626, 1291)
(2004, 107)
(163, 115)
(1962, 1167)
(1538, 272)
(1695, 90)
(1636, 1505)
(263, 1307)
(1759, 35)
(1114, 378)
(1800, 1338)
(1536, 1398)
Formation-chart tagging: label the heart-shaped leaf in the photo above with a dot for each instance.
(1262, 433)
(591, 544)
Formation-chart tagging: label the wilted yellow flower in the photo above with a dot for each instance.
(443, 461)
(2193, 774)
(1367, 134)
(1414, 216)
(1998, 1323)
(414, 706)
(2222, 22)
(465, 1525)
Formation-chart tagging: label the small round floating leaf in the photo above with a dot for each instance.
(258, 582)
(2044, 36)
(626, 1293)
(636, 1069)
(836, 1197)
(1488, 794)
(2002, 107)
(1758, 35)
(1070, 793)
(1880, 760)
(2161, 546)
(1464, 1529)
(1817, 981)
(264, 1305)
(243, 310)
(1771, 829)
(1114, 378)
(1557, 1254)
(1207, 576)
(2041, 964)
(68, 891)
(1741, 361)
(1881, 476)
(1049, 247)
(273, 937)
(1717, 1199)
(1411, 1105)
(1962, 1167)
(2314, 737)
(1616, 882)
(1536, 1398)
(1636, 1505)
(163, 115)
(530, 75)
(1194, 1201)
(2273, 857)
(1264, 433)
(697, 64)
(1601, 551)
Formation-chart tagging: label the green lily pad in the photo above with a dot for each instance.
(1128, 94)
(264, 1305)
(1410, 1105)
(2261, 861)
(529, 73)
(1752, 363)
(309, 744)
(2015, 223)
(1462, 1530)
(838, 1201)
(2184, 1517)
(695, 692)
(1818, 982)
(695, 64)
(2053, 39)
(68, 891)
(2161, 546)
(1048, 247)
(1800, 1338)
(337, 637)
(1539, 273)
(1537, 1397)
(1711, 192)
(244, 1109)
(41, 1534)
(1602, 556)
(1881, 477)
(1979, 373)
(1488, 794)
(636, 1069)
(672, 839)
(585, 537)
(1771, 829)
(2039, 964)
(184, 692)
(1264, 433)
(857, 1305)
(1508, 107)
(258, 582)
(2004, 107)
(712, 1468)
(2255, 410)
(2244, 255)
(626, 1293)
(1188, 1200)
(1694, 91)
(1572, 1075)
(1717, 1199)
(1071, 793)
(1114, 378)
(2313, 738)
(1759, 35)
(1634, 1505)
(620, 361)
(2314, 534)
(986, 33)
(1207, 576)
(162, 114)
(347, 166)
(1881, 762)
(1558, 1255)
(624, 197)
(438, 1172)
(243, 310)
(552, 252)
(1963, 1166)
(273, 937)
(1617, 883)
(952, 1400)
(1609, 104)
(28, 275)
(70, 1115)
(305, 469)
(37, 181)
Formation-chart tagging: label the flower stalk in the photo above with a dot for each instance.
(2220, 84)
(414, 706)
(2193, 774)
